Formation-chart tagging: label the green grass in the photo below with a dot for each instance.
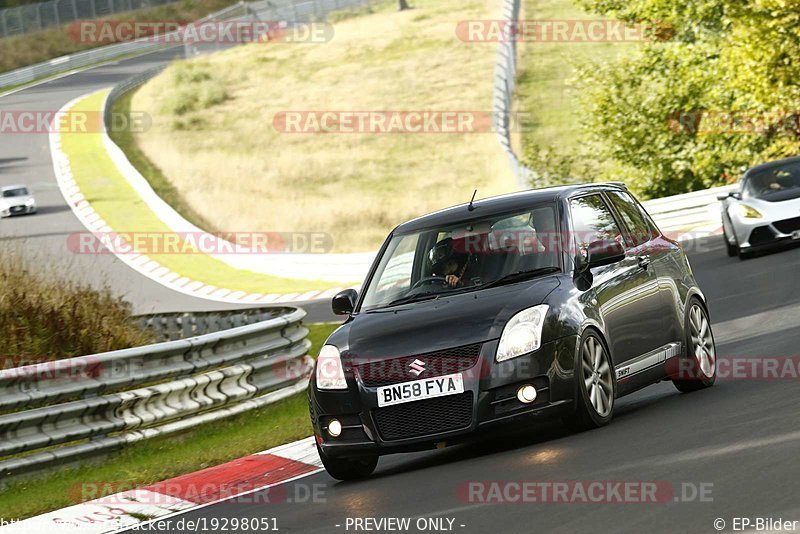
(546, 70)
(161, 458)
(115, 200)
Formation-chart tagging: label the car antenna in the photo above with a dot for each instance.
(471, 207)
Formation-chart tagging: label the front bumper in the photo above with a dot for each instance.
(489, 399)
(763, 233)
(17, 210)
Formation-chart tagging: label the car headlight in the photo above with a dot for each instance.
(330, 373)
(522, 333)
(747, 212)
(30, 202)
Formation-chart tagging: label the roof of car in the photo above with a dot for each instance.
(9, 187)
(770, 164)
(501, 204)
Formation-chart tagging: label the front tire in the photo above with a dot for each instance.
(732, 250)
(595, 385)
(348, 468)
(699, 369)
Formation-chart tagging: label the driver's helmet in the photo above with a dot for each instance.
(442, 254)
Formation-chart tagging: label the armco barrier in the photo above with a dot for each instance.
(285, 10)
(111, 399)
(682, 212)
(101, 54)
(505, 76)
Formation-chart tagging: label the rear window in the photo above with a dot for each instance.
(592, 221)
(639, 228)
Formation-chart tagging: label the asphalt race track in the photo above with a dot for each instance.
(25, 158)
(738, 440)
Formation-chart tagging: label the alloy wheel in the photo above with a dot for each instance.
(597, 377)
(702, 341)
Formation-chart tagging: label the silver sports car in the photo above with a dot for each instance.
(766, 208)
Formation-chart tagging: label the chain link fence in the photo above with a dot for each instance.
(36, 17)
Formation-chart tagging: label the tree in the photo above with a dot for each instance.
(697, 110)
(402, 5)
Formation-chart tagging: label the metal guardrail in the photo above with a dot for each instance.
(103, 53)
(289, 10)
(689, 209)
(674, 212)
(69, 409)
(505, 76)
(36, 17)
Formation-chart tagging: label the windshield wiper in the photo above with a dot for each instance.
(417, 297)
(519, 276)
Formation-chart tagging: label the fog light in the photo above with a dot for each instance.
(526, 394)
(335, 428)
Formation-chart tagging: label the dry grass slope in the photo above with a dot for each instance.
(44, 318)
(213, 134)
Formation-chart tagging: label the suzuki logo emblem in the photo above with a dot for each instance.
(417, 367)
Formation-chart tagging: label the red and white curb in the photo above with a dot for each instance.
(178, 495)
(145, 265)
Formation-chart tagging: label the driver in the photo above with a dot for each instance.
(446, 262)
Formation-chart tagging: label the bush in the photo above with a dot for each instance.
(43, 318)
(698, 110)
(196, 89)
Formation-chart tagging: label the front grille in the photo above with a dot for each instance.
(788, 226)
(761, 236)
(420, 418)
(17, 209)
(394, 371)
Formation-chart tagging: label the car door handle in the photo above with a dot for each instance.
(644, 262)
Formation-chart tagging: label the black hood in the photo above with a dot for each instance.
(447, 322)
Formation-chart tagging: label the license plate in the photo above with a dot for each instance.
(426, 388)
(796, 234)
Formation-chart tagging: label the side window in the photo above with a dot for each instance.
(639, 229)
(654, 231)
(592, 221)
(397, 272)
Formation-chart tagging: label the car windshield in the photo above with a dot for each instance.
(471, 255)
(16, 192)
(775, 183)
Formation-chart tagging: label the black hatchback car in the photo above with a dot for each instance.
(551, 302)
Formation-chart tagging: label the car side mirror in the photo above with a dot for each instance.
(600, 253)
(345, 302)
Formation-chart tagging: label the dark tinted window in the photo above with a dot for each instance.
(20, 192)
(592, 221)
(779, 183)
(639, 228)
